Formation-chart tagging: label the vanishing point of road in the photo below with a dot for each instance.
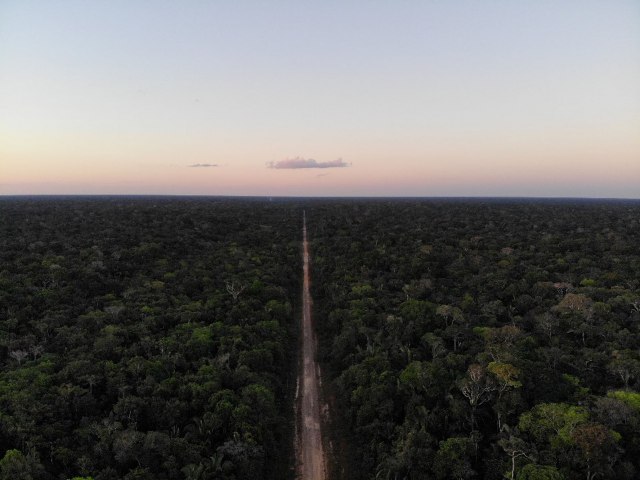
(311, 461)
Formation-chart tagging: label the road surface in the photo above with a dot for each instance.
(311, 462)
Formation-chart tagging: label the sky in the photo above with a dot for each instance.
(331, 98)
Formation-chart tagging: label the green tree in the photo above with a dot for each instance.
(515, 448)
(15, 466)
(453, 459)
(553, 423)
(539, 472)
(630, 398)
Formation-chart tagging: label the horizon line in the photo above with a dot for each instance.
(381, 197)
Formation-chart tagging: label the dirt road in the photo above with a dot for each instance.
(311, 462)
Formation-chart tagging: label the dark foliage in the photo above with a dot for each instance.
(155, 338)
(481, 339)
(147, 338)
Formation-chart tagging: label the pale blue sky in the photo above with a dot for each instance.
(420, 98)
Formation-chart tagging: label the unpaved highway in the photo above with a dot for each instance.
(311, 461)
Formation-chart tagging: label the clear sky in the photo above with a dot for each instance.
(416, 98)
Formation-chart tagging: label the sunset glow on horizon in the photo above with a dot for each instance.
(355, 98)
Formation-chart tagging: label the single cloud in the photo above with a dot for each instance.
(298, 162)
(200, 165)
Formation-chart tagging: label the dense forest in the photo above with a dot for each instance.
(481, 339)
(147, 338)
(157, 338)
